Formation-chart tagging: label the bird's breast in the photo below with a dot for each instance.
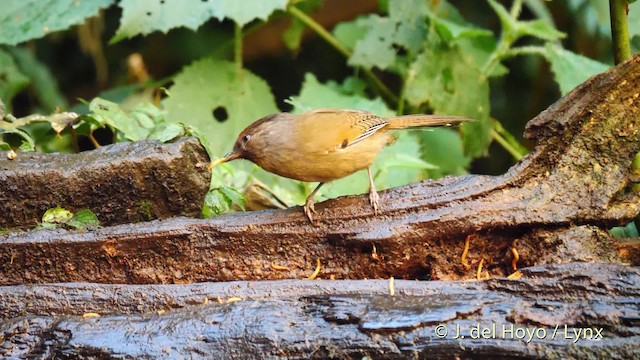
(313, 163)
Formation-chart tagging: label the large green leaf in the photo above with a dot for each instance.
(146, 16)
(211, 86)
(447, 78)
(376, 40)
(571, 69)
(22, 20)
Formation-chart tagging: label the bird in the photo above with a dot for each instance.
(322, 145)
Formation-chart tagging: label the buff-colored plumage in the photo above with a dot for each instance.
(324, 144)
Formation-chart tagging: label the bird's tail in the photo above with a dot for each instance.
(412, 121)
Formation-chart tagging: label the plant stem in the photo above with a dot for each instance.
(619, 30)
(237, 49)
(524, 50)
(93, 140)
(331, 40)
(516, 8)
(507, 141)
(315, 26)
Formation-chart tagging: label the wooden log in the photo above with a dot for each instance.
(577, 310)
(120, 183)
(576, 181)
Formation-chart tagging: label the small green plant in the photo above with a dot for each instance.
(60, 217)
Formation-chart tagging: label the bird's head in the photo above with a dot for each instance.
(249, 143)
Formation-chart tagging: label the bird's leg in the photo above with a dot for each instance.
(374, 198)
(308, 208)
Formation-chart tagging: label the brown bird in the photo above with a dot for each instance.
(324, 144)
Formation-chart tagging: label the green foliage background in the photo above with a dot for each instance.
(497, 62)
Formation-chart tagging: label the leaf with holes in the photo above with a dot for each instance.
(377, 41)
(211, 87)
(142, 17)
(449, 80)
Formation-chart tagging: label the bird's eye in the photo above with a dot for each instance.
(246, 138)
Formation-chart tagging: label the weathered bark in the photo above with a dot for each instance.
(573, 183)
(598, 304)
(120, 183)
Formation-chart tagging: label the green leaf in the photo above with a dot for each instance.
(507, 23)
(515, 29)
(448, 79)
(211, 86)
(376, 40)
(146, 16)
(233, 196)
(292, 37)
(401, 160)
(134, 126)
(540, 29)
(627, 231)
(215, 203)
(450, 25)
(571, 69)
(12, 80)
(43, 82)
(28, 144)
(166, 132)
(315, 95)
(84, 219)
(22, 20)
(443, 147)
(350, 32)
(57, 215)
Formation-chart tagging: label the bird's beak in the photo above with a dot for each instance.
(230, 156)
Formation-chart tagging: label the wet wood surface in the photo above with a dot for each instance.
(577, 310)
(556, 204)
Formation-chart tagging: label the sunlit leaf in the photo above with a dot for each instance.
(57, 215)
(142, 17)
(571, 69)
(22, 20)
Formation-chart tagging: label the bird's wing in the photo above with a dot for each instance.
(343, 128)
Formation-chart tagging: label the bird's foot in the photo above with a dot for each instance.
(309, 209)
(374, 199)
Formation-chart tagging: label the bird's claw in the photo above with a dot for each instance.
(374, 199)
(309, 209)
